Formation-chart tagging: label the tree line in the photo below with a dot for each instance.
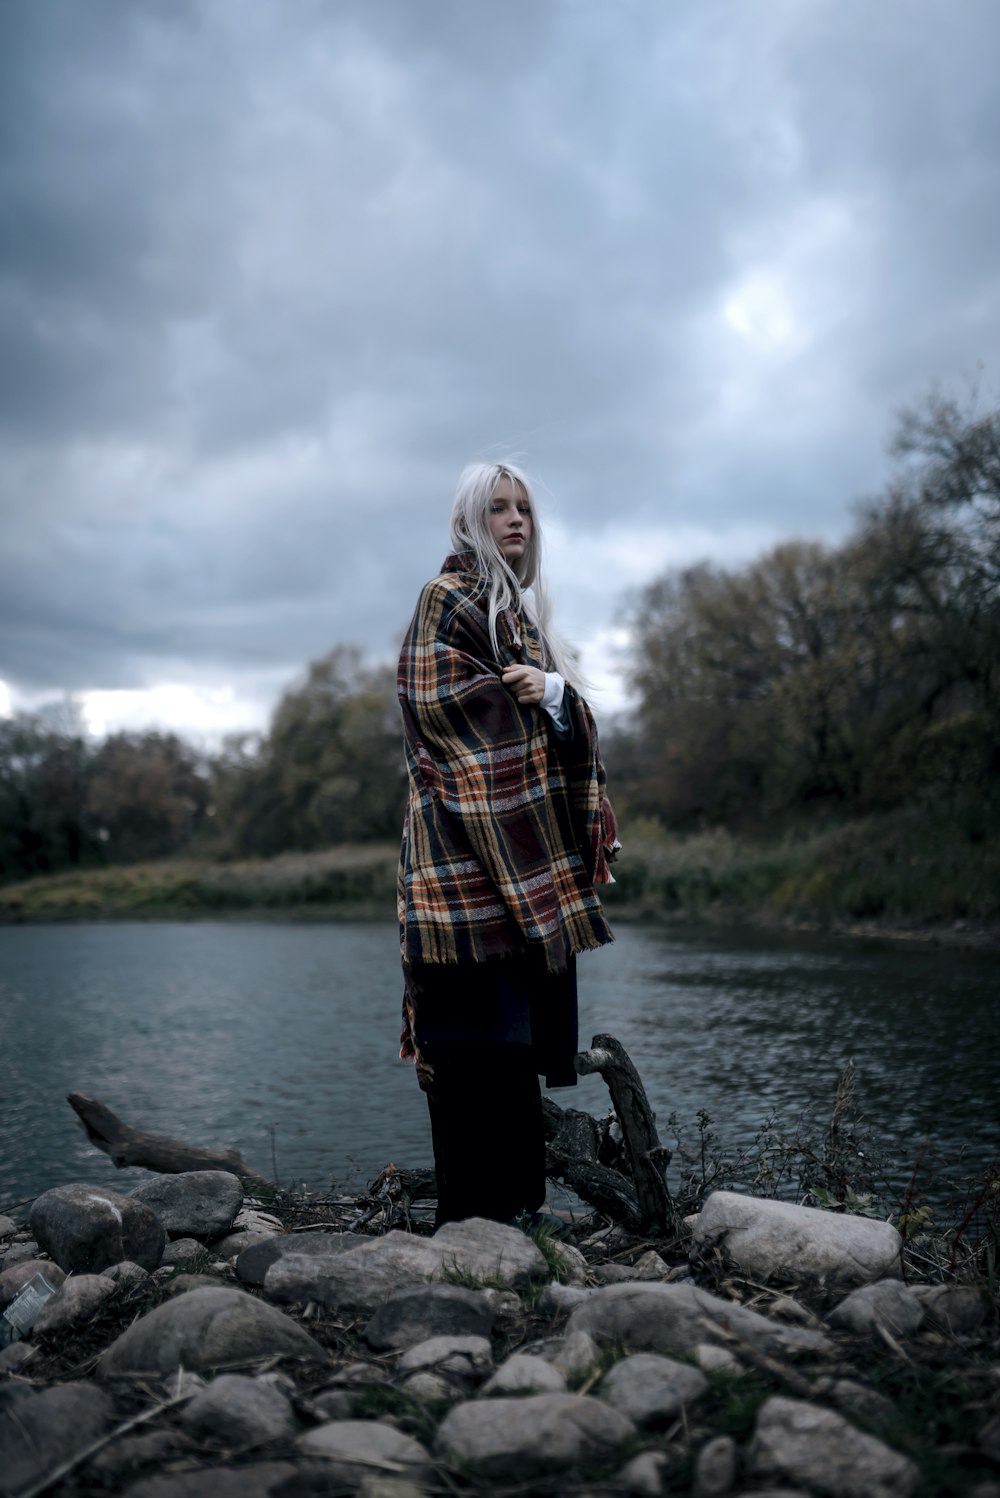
(819, 680)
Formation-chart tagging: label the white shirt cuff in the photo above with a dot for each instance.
(552, 701)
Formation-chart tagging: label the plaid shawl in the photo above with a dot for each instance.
(506, 826)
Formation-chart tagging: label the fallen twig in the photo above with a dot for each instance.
(764, 1362)
(79, 1457)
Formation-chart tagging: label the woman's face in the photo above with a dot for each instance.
(510, 518)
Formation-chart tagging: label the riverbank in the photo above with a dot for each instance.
(206, 1342)
(909, 875)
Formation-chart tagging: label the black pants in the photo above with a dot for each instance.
(488, 1029)
(486, 1124)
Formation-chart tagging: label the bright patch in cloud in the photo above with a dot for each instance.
(5, 707)
(761, 313)
(197, 711)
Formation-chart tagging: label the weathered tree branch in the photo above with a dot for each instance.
(647, 1157)
(571, 1156)
(126, 1146)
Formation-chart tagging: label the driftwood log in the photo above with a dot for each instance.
(626, 1180)
(126, 1146)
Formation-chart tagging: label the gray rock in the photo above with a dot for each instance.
(651, 1266)
(775, 1493)
(176, 1282)
(358, 1376)
(789, 1309)
(573, 1267)
(238, 1411)
(38, 1432)
(250, 1225)
(14, 1279)
(430, 1386)
(517, 1440)
(956, 1309)
(255, 1259)
(613, 1274)
(376, 1486)
(645, 1475)
(780, 1240)
(125, 1458)
(888, 1303)
(857, 1399)
(126, 1275)
(556, 1298)
(74, 1304)
(331, 1404)
(576, 1355)
(16, 1355)
(650, 1389)
(670, 1318)
(433, 1311)
(466, 1358)
(355, 1281)
(19, 1253)
(233, 1244)
(505, 1304)
(490, 1251)
(525, 1373)
(820, 1450)
(353, 1447)
(363, 1277)
(712, 1358)
(181, 1251)
(715, 1468)
(262, 1480)
(86, 1228)
(8, 1227)
(195, 1203)
(204, 1329)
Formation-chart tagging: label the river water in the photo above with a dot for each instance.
(280, 1040)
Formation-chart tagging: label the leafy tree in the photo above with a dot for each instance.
(42, 795)
(852, 677)
(147, 795)
(330, 769)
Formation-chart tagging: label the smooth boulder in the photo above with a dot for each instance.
(518, 1440)
(888, 1304)
(255, 1259)
(88, 1228)
(412, 1316)
(193, 1203)
(239, 1411)
(362, 1278)
(74, 1304)
(13, 1280)
(205, 1329)
(38, 1432)
(808, 1445)
(355, 1448)
(651, 1389)
(779, 1240)
(654, 1317)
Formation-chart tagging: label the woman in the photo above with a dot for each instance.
(507, 833)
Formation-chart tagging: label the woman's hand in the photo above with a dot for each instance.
(526, 682)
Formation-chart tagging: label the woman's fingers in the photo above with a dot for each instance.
(526, 682)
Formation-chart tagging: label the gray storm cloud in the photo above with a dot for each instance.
(269, 275)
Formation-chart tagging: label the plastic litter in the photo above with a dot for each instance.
(25, 1309)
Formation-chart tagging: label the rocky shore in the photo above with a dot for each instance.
(202, 1344)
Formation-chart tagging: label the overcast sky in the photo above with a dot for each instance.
(272, 272)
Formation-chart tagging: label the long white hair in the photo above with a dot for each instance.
(506, 583)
